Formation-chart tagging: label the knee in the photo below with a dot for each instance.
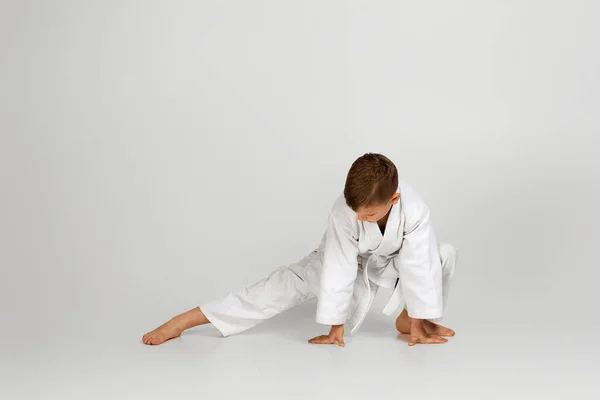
(447, 251)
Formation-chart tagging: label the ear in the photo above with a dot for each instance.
(396, 198)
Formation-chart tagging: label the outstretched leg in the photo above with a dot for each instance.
(175, 326)
(283, 289)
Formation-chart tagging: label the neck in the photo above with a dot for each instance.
(383, 220)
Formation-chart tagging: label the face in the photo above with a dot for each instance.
(374, 213)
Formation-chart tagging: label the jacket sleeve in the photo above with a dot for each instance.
(420, 269)
(338, 272)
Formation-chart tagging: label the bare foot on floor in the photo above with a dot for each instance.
(403, 326)
(175, 326)
(166, 331)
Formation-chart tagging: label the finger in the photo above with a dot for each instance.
(341, 343)
(323, 339)
(446, 332)
(443, 339)
(435, 339)
(413, 340)
(439, 329)
(315, 339)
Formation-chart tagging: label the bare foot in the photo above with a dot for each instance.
(403, 323)
(174, 327)
(166, 331)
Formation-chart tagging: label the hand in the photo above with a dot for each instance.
(418, 334)
(336, 336)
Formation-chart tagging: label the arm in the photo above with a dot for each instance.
(338, 273)
(420, 268)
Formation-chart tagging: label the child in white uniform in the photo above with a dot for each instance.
(379, 234)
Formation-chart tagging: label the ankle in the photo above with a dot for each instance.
(179, 322)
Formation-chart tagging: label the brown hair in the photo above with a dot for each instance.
(372, 180)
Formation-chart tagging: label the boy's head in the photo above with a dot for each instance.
(372, 187)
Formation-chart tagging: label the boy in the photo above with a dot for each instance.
(378, 235)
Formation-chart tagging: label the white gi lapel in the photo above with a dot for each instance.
(382, 248)
(382, 254)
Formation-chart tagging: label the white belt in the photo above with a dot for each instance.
(365, 304)
(394, 301)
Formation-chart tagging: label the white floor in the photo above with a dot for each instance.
(486, 360)
(154, 154)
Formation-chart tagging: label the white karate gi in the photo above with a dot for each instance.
(353, 260)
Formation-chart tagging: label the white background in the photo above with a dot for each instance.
(156, 154)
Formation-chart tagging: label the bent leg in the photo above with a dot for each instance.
(448, 257)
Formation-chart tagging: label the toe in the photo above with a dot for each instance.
(445, 331)
(438, 329)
